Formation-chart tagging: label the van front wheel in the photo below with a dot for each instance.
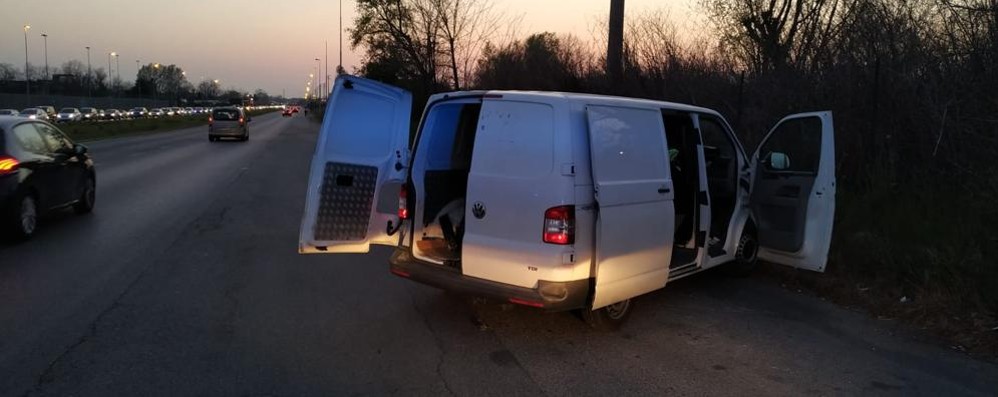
(746, 260)
(608, 318)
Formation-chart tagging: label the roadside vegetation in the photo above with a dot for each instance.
(92, 131)
(911, 83)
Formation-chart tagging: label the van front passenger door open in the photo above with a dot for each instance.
(358, 168)
(793, 191)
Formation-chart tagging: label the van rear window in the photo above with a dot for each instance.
(225, 114)
(515, 139)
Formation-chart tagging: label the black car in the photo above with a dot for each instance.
(41, 169)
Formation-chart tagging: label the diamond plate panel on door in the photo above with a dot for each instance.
(345, 202)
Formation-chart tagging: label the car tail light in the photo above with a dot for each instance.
(211, 120)
(403, 203)
(8, 165)
(240, 121)
(559, 225)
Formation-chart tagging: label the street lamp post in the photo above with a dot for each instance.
(155, 82)
(27, 73)
(318, 71)
(117, 66)
(46, 38)
(109, 72)
(138, 87)
(89, 73)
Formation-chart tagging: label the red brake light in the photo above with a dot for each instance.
(8, 165)
(525, 302)
(240, 121)
(559, 225)
(403, 203)
(211, 120)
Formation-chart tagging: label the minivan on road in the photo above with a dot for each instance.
(563, 201)
(228, 122)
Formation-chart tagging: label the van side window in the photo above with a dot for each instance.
(452, 135)
(798, 139)
(716, 141)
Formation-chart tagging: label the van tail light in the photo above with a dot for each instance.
(8, 165)
(403, 203)
(241, 121)
(559, 225)
(211, 120)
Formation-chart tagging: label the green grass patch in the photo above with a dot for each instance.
(92, 131)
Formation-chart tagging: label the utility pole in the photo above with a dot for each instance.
(46, 37)
(27, 73)
(615, 42)
(89, 80)
(109, 72)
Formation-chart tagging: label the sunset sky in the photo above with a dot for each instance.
(247, 44)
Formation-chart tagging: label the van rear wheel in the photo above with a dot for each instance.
(608, 318)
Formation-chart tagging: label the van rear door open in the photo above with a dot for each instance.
(635, 225)
(793, 191)
(358, 168)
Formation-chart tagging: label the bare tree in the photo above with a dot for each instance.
(7, 72)
(465, 27)
(74, 67)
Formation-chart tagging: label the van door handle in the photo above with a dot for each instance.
(664, 190)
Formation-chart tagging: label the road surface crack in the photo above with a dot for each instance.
(436, 340)
(47, 376)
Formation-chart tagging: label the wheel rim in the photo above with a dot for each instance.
(29, 215)
(617, 310)
(748, 249)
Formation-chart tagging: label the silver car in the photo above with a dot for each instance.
(228, 122)
(68, 114)
(35, 114)
(9, 112)
(89, 114)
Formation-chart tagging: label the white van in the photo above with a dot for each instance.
(563, 201)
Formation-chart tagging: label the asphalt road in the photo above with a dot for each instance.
(186, 281)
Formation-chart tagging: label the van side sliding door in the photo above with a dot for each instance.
(635, 221)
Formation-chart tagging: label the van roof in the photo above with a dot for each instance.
(579, 97)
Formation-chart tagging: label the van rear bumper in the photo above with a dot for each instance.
(558, 296)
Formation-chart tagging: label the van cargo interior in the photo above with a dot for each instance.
(450, 140)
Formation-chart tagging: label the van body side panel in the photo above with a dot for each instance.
(515, 176)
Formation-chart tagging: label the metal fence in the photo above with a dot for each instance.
(21, 101)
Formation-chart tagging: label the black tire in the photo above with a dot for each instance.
(245, 137)
(85, 205)
(212, 139)
(746, 255)
(608, 318)
(22, 220)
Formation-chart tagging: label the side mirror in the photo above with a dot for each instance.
(79, 149)
(779, 161)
